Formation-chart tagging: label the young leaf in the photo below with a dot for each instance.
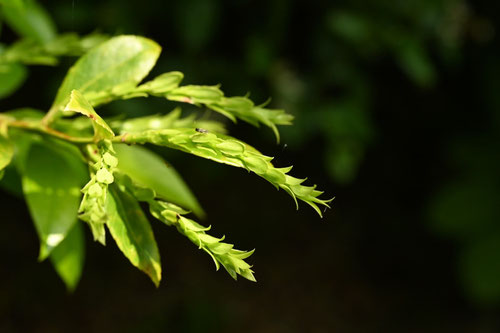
(6, 152)
(51, 186)
(28, 52)
(120, 60)
(149, 170)
(131, 230)
(31, 21)
(68, 257)
(78, 103)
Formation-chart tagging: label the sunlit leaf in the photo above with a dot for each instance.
(120, 60)
(150, 170)
(78, 103)
(132, 232)
(68, 257)
(21, 141)
(51, 184)
(166, 85)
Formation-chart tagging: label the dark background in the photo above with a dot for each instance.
(397, 116)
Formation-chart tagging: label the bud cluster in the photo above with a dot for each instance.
(222, 253)
(227, 150)
(93, 206)
(167, 85)
(172, 215)
(170, 120)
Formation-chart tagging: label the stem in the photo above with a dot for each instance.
(41, 128)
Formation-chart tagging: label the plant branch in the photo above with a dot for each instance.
(41, 128)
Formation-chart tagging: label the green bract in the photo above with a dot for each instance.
(91, 169)
(227, 150)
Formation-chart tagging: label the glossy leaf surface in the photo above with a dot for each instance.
(51, 184)
(132, 233)
(78, 103)
(150, 170)
(120, 60)
(68, 257)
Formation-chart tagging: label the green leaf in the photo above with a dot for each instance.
(12, 77)
(11, 182)
(68, 257)
(21, 141)
(32, 21)
(78, 103)
(51, 185)
(149, 170)
(6, 152)
(133, 234)
(120, 60)
(28, 52)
